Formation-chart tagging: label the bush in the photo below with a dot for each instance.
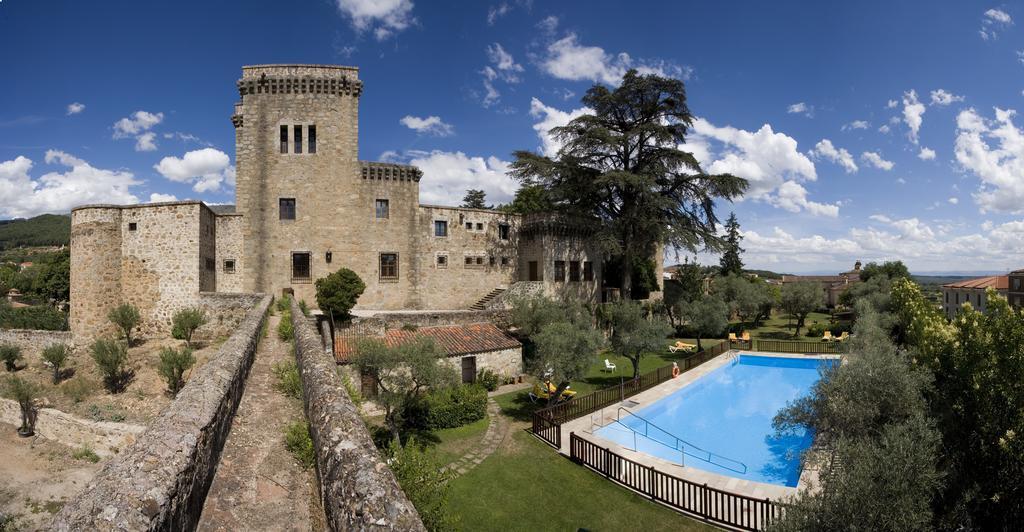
(337, 293)
(78, 389)
(126, 317)
(447, 408)
(185, 322)
(289, 382)
(488, 379)
(85, 453)
(39, 317)
(304, 307)
(57, 356)
(425, 482)
(299, 443)
(284, 328)
(111, 357)
(25, 393)
(10, 354)
(173, 365)
(815, 330)
(283, 303)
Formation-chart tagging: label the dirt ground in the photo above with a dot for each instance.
(143, 398)
(37, 477)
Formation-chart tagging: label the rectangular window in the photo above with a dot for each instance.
(229, 266)
(504, 261)
(211, 265)
(469, 226)
(574, 271)
(382, 208)
(588, 270)
(479, 226)
(534, 271)
(479, 261)
(559, 271)
(442, 262)
(132, 226)
(503, 231)
(958, 298)
(469, 261)
(389, 266)
(947, 298)
(493, 261)
(312, 139)
(300, 266)
(287, 208)
(440, 228)
(284, 139)
(297, 133)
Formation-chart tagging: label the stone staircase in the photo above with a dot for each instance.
(482, 304)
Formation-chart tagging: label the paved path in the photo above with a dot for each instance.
(497, 430)
(258, 484)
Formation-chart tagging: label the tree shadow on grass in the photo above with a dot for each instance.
(119, 383)
(521, 407)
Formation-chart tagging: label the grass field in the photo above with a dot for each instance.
(526, 485)
(780, 326)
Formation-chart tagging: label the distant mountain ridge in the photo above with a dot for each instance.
(43, 230)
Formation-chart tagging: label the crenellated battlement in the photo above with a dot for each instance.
(300, 79)
(389, 171)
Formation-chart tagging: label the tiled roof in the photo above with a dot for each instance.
(455, 340)
(999, 282)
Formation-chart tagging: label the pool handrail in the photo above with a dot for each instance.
(678, 440)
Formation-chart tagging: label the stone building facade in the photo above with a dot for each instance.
(305, 207)
(973, 291)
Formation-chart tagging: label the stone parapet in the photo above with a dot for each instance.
(32, 342)
(160, 482)
(106, 438)
(357, 489)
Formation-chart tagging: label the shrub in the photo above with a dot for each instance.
(815, 330)
(10, 354)
(447, 408)
(85, 453)
(111, 357)
(78, 389)
(299, 443)
(283, 303)
(185, 322)
(289, 382)
(488, 379)
(39, 317)
(173, 365)
(284, 328)
(425, 482)
(57, 356)
(304, 307)
(337, 293)
(126, 317)
(25, 393)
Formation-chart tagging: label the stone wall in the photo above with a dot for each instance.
(506, 362)
(33, 342)
(95, 270)
(225, 313)
(105, 438)
(229, 247)
(160, 482)
(357, 489)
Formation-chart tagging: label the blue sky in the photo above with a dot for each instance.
(869, 130)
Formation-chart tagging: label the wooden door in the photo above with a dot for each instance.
(468, 369)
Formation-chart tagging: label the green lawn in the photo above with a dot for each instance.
(527, 485)
(780, 326)
(451, 444)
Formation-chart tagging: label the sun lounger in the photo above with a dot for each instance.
(827, 337)
(746, 336)
(732, 337)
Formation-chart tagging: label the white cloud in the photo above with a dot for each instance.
(496, 12)
(157, 197)
(21, 196)
(913, 110)
(138, 126)
(802, 109)
(447, 176)
(207, 169)
(792, 197)
(549, 118)
(884, 128)
(503, 67)
(892, 104)
(567, 59)
(926, 154)
(953, 200)
(856, 124)
(941, 97)
(75, 108)
(992, 22)
(901, 181)
(548, 24)
(993, 150)
(383, 18)
(431, 125)
(876, 160)
(825, 149)
(146, 142)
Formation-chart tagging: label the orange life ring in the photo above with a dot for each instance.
(675, 371)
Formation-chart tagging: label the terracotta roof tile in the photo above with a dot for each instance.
(999, 282)
(455, 340)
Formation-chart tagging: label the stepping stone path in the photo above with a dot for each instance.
(497, 429)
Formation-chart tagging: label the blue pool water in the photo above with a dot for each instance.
(722, 422)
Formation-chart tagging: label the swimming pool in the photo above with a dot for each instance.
(722, 422)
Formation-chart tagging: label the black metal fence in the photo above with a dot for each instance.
(712, 504)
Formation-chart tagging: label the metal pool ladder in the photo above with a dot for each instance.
(684, 449)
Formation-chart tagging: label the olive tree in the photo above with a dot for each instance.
(634, 334)
(56, 355)
(127, 318)
(706, 317)
(25, 393)
(185, 322)
(800, 299)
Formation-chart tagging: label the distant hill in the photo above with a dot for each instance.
(43, 230)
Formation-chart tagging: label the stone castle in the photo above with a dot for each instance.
(307, 206)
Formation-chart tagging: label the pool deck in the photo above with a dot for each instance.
(588, 425)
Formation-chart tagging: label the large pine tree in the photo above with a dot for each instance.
(621, 171)
(731, 262)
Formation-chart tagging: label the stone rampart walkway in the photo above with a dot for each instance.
(259, 485)
(497, 430)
